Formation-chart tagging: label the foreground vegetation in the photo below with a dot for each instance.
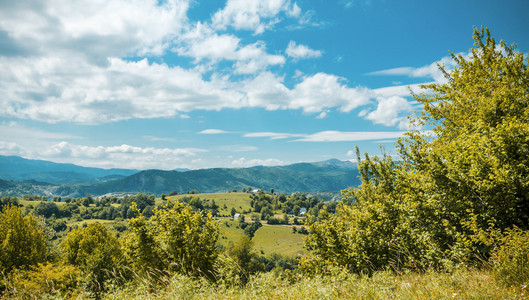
(450, 220)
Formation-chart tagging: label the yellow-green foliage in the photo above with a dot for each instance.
(94, 250)
(22, 240)
(175, 238)
(477, 159)
(510, 260)
(278, 239)
(469, 172)
(45, 280)
(461, 284)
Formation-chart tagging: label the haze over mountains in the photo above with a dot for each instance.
(23, 176)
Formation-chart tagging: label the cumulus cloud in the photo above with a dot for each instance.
(73, 63)
(203, 43)
(253, 15)
(322, 91)
(243, 162)
(36, 88)
(94, 94)
(121, 156)
(98, 29)
(301, 51)
(11, 148)
(391, 111)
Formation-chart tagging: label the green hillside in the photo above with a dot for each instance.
(268, 239)
(331, 175)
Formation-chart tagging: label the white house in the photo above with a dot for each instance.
(302, 212)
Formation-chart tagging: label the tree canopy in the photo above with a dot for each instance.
(175, 238)
(22, 240)
(452, 185)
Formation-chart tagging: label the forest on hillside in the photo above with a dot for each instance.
(449, 218)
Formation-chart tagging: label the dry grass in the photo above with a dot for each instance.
(462, 284)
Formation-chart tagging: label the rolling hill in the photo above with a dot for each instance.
(21, 169)
(330, 175)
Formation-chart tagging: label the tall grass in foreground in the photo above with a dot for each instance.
(461, 284)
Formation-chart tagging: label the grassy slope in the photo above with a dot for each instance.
(278, 239)
(268, 239)
(462, 284)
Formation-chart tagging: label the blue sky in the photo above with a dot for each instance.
(197, 84)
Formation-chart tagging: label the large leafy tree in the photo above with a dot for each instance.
(22, 240)
(175, 238)
(94, 250)
(477, 158)
(468, 174)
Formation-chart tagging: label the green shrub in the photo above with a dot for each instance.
(22, 240)
(95, 251)
(176, 238)
(510, 260)
(45, 279)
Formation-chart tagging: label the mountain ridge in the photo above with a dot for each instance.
(329, 175)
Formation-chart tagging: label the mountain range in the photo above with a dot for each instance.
(20, 176)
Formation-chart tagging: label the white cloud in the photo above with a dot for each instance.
(238, 148)
(428, 71)
(98, 28)
(13, 131)
(389, 112)
(327, 136)
(322, 91)
(11, 148)
(243, 162)
(301, 51)
(71, 65)
(159, 139)
(213, 131)
(322, 115)
(55, 89)
(123, 156)
(254, 15)
(272, 135)
(340, 136)
(203, 43)
(399, 90)
(354, 3)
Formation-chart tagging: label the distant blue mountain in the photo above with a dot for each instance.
(20, 169)
(330, 175)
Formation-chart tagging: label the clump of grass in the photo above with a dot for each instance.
(460, 284)
(510, 259)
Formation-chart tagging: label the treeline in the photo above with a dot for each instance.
(175, 237)
(104, 208)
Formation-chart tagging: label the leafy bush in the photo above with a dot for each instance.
(95, 251)
(510, 260)
(469, 171)
(45, 279)
(22, 240)
(175, 238)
